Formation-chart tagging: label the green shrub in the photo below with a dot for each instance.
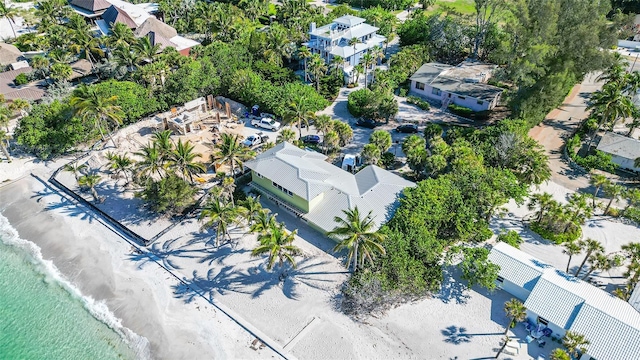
(460, 110)
(615, 212)
(169, 195)
(21, 79)
(378, 105)
(632, 213)
(418, 102)
(552, 236)
(387, 160)
(403, 92)
(510, 237)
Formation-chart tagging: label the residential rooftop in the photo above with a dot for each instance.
(623, 146)
(466, 79)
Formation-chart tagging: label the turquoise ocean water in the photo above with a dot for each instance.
(42, 316)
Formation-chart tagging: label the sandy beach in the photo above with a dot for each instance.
(99, 263)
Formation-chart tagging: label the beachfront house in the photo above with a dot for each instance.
(557, 302)
(463, 85)
(334, 40)
(316, 191)
(624, 150)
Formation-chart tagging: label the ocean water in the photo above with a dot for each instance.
(42, 316)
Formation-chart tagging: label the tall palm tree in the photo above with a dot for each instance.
(331, 141)
(90, 105)
(152, 162)
(227, 186)
(10, 14)
(589, 246)
(353, 42)
(578, 209)
(612, 104)
(219, 215)
(323, 123)
(75, 168)
(633, 198)
(337, 64)
(277, 242)
(304, 53)
(286, 135)
(40, 64)
(90, 181)
(571, 248)
(121, 36)
(635, 122)
(121, 164)
(516, 312)
(613, 192)
(366, 60)
(598, 181)
(318, 68)
(250, 208)
(231, 152)
(599, 261)
(359, 236)
(126, 58)
(182, 158)
(162, 140)
(411, 143)
(371, 154)
(60, 72)
(147, 51)
(298, 112)
(262, 221)
(86, 45)
(575, 343)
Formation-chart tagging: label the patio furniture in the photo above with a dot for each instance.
(529, 339)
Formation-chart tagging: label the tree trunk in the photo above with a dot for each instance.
(595, 195)
(94, 193)
(305, 70)
(5, 151)
(582, 264)
(593, 137)
(506, 340)
(568, 263)
(355, 258)
(608, 206)
(588, 273)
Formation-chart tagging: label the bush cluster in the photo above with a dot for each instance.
(418, 102)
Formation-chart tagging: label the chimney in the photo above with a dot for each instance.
(312, 27)
(634, 300)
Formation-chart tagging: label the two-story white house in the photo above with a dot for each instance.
(463, 85)
(334, 40)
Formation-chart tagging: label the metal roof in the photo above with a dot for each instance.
(623, 146)
(12, 92)
(349, 20)
(610, 324)
(91, 5)
(518, 267)
(443, 77)
(308, 175)
(9, 54)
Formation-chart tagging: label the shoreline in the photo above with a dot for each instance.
(103, 267)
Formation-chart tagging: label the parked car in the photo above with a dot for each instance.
(266, 123)
(255, 139)
(367, 123)
(311, 139)
(407, 128)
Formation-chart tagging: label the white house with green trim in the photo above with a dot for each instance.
(304, 183)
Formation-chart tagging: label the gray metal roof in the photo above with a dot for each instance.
(518, 267)
(308, 175)
(623, 146)
(609, 323)
(435, 75)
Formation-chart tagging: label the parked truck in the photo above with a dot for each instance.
(255, 139)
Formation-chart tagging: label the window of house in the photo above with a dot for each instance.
(419, 86)
(436, 91)
(480, 102)
(279, 187)
(461, 97)
(260, 176)
(543, 321)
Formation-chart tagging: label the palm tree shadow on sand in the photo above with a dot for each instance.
(164, 253)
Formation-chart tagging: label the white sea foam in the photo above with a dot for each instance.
(99, 310)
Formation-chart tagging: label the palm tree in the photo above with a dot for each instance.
(152, 161)
(590, 246)
(278, 244)
(162, 140)
(40, 64)
(635, 122)
(516, 312)
(298, 113)
(323, 123)
(353, 42)
(88, 104)
(366, 60)
(613, 191)
(359, 69)
(304, 53)
(359, 236)
(19, 106)
(231, 152)
(75, 168)
(121, 36)
(262, 222)
(575, 343)
(612, 104)
(145, 49)
(599, 261)
(9, 13)
(318, 68)
(559, 354)
(126, 58)
(286, 135)
(331, 140)
(250, 208)
(598, 181)
(220, 215)
(571, 248)
(60, 72)
(3, 145)
(411, 143)
(337, 63)
(227, 187)
(90, 181)
(182, 158)
(633, 198)
(578, 209)
(121, 164)
(381, 139)
(371, 154)
(86, 45)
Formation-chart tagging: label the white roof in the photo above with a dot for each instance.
(623, 146)
(349, 20)
(182, 43)
(308, 175)
(138, 13)
(518, 267)
(609, 323)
